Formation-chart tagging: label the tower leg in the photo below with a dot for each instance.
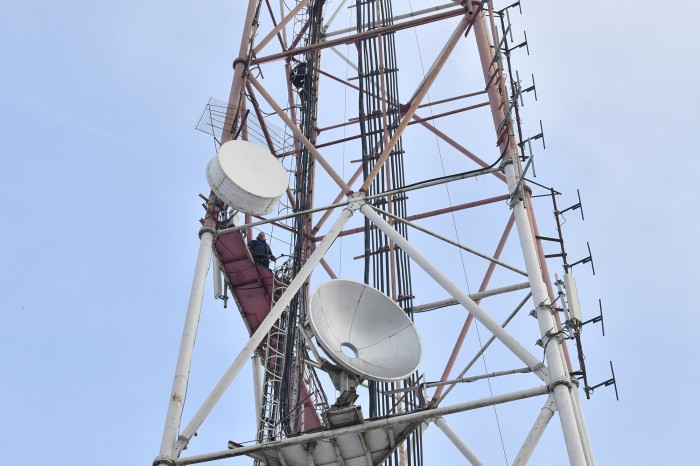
(257, 384)
(558, 378)
(184, 359)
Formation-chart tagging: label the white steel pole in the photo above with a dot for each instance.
(558, 380)
(583, 429)
(461, 446)
(535, 433)
(257, 385)
(184, 359)
(262, 331)
(216, 276)
(481, 315)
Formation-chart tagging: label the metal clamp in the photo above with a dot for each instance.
(518, 193)
(356, 201)
(560, 381)
(207, 230)
(163, 460)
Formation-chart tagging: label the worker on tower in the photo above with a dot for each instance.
(261, 251)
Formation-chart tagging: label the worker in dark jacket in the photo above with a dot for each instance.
(261, 251)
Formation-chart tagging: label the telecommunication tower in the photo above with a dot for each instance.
(383, 148)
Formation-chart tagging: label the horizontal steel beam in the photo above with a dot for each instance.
(417, 416)
(475, 296)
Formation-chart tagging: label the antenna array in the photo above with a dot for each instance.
(376, 161)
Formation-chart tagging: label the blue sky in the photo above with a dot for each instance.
(100, 167)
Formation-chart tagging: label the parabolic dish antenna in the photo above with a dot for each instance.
(247, 177)
(364, 331)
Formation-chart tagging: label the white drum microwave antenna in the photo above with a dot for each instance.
(364, 331)
(247, 177)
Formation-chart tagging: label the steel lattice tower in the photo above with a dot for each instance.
(409, 170)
